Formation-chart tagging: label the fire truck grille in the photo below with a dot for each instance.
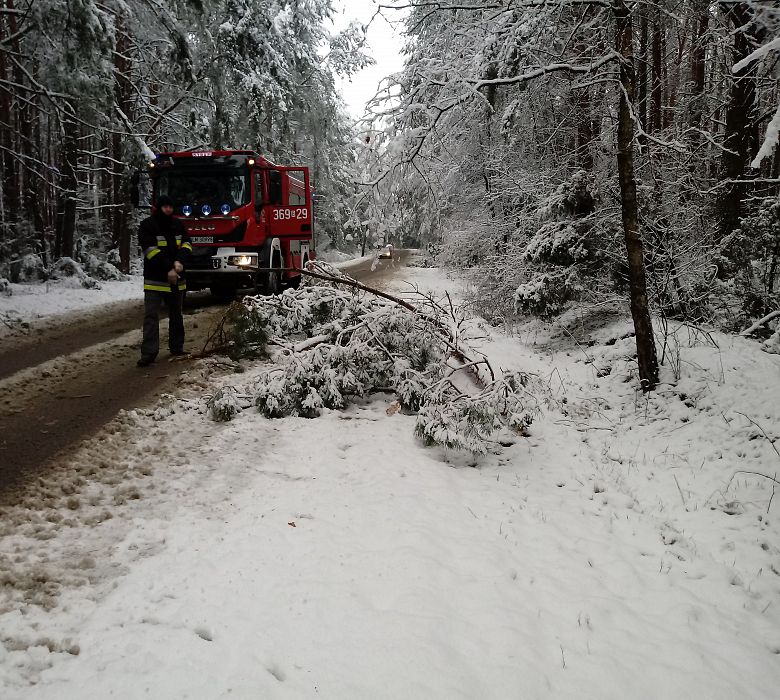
(201, 258)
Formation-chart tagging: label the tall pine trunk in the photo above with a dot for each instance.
(120, 229)
(640, 312)
(8, 122)
(698, 71)
(741, 127)
(657, 88)
(66, 214)
(642, 73)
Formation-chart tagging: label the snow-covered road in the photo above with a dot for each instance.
(67, 365)
(608, 555)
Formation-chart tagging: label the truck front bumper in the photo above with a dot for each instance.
(222, 267)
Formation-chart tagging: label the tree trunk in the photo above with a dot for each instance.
(642, 73)
(640, 312)
(676, 69)
(120, 231)
(656, 94)
(66, 225)
(741, 128)
(10, 185)
(698, 68)
(490, 73)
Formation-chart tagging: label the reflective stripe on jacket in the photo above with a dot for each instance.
(154, 286)
(164, 241)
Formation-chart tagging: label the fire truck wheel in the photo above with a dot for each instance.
(295, 282)
(270, 282)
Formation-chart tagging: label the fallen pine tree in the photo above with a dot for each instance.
(336, 339)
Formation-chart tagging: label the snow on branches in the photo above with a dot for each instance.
(337, 341)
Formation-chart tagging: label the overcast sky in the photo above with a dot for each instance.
(384, 45)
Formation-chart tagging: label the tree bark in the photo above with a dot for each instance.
(656, 93)
(645, 343)
(642, 72)
(66, 225)
(741, 127)
(8, 127)
(120, 231)
(698, 69)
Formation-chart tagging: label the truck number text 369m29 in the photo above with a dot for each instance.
(298, 213)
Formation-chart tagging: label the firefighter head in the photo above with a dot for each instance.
(165, 205)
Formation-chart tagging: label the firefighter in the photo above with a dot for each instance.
(167, 249)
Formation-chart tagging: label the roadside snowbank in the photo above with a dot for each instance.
(37, 303)
(609, 555)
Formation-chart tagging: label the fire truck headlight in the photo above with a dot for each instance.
(225, 209)
(243, 260)
(206, 209)
(186, 210)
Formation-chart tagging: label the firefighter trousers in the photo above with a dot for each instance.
(174, 300)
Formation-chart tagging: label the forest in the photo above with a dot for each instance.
(89, 90)
(561, 151)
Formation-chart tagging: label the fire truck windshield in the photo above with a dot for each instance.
(219, 190)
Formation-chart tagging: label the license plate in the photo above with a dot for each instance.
(202, 239)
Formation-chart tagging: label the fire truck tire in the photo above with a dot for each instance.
(295, 282)
(270, 283)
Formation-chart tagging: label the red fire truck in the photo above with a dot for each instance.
(248, 218)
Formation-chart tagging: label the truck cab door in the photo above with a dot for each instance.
(289, 205)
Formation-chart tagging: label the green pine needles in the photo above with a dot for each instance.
(337, 344)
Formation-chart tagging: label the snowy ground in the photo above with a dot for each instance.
(36, 304)
(622, 550)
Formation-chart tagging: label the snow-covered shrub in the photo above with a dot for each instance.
(224, 405)
(545, 247)
(756, 244)
(69, 268)
(103, 270)
(114, 257)
(751, 256)
(5, 287)
(574, 197)
(546, 293)
(558, 242)
(29, 269)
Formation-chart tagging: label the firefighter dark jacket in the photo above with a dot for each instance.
(164, 241)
